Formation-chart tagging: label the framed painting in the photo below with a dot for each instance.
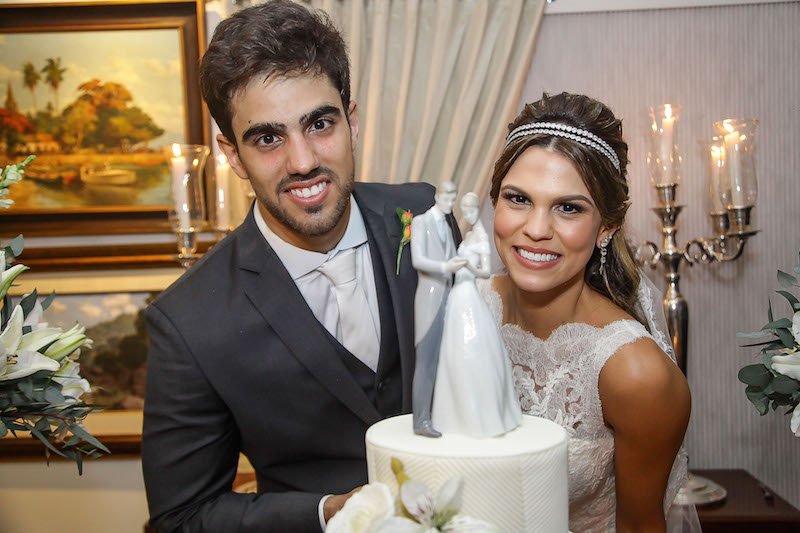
(116, 363)
(97, 91)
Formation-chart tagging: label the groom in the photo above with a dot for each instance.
(294, 334)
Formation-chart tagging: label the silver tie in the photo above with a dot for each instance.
(357, 328)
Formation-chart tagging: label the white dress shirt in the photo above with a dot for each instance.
(316, 289)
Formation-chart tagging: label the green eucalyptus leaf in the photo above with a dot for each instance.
(778, 324)
(770, 317)
(786, 337)
(757, 375)
(38, 434)
(786, 280)
(5, 312)
(791, 298)
(52, 394)
(28, 302)
(760, 334)
(87, 437)
(16, 245)
(48, 300)
(26, 386)
(79, 463)
(762, 405)
(785, 385)
(3, 429)
(765, 343)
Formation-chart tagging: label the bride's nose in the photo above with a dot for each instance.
(538, 225)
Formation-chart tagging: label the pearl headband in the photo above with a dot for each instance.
(587, 138)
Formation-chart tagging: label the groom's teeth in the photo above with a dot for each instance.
(530, 256)
(308, 192)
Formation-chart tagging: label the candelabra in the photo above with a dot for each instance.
(733, 191)
(187, 213)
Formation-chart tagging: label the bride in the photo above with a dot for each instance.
(568, 311)
(473, 394)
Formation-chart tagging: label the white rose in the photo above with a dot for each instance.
(788, 365)
(363, 511)
(796, 327)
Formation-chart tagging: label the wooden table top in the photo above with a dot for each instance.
(750, 506)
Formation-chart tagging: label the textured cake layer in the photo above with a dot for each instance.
(517, 482)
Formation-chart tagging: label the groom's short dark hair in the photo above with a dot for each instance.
(277, 38)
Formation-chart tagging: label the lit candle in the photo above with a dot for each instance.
(667, 142)
(180, 175)
(734, 163)
(715, 176)
(223, 176)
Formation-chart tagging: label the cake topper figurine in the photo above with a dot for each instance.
(433, 253)
(474, 392)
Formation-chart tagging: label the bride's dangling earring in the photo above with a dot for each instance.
(603, 253)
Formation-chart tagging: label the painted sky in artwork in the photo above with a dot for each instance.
(92, 309)
(147, 62)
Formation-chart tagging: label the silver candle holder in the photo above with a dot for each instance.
(733, 192)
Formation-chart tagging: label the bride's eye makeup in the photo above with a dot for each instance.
(515, 197)
(571, 208)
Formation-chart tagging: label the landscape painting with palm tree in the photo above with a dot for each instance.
(97, 108)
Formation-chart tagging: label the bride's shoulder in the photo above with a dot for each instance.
(639, 371)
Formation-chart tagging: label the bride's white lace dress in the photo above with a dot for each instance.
(557, 379)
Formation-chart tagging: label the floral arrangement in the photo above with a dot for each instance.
(40, 381)
(775, 381)
(405, 217)
(372, 509)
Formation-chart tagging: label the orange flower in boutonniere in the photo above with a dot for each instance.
(405, 217)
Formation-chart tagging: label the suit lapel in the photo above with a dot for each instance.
(383, 223)
(272, 291)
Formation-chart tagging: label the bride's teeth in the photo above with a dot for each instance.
(530, 256)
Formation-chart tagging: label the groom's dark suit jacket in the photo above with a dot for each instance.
(238, 362)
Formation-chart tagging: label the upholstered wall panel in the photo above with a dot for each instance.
(717, 62)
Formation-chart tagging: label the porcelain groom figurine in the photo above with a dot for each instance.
(433, 254)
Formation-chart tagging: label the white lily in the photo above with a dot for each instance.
(20, 356)
(72, 384)
(788, 365)
(68, 342)
(9, 275)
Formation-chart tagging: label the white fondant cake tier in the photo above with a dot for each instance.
(517, 482)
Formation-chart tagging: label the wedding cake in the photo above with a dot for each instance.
(517, 482)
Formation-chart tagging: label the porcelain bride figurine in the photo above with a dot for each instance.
(474, 392)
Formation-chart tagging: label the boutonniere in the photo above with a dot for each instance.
(405, 217)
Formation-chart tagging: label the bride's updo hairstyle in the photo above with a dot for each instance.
(602, 170)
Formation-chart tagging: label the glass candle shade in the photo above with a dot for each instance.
(739, 181)
(188, 211)
(663, 159)
(714, 157)
(223, 199)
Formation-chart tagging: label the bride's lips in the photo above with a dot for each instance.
(309, 193)
(535, 258)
